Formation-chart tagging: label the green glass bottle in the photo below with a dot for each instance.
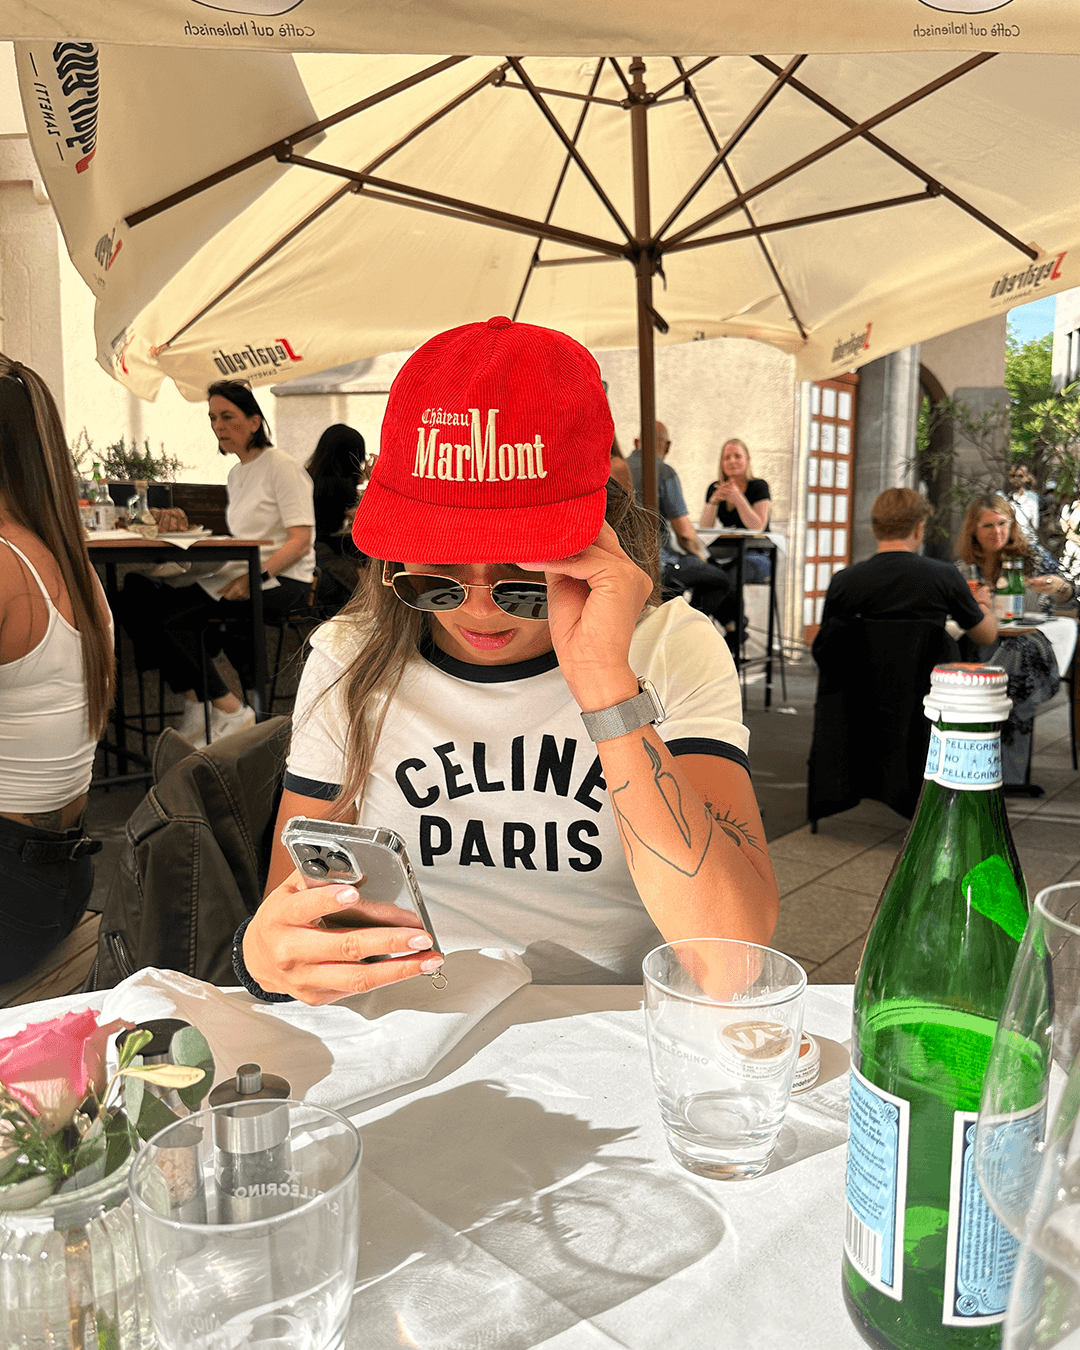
(925, 1262)
(1016, 588)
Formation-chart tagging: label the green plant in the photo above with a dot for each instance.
(123, 461)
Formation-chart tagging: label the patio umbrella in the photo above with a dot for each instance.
(836, 206)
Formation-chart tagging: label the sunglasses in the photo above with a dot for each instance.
(429, 593)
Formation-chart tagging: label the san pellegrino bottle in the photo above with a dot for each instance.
(1016, 589)
(926, 1264)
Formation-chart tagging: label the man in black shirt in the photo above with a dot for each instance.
(898, 583)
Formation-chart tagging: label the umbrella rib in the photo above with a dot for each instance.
(491, 78)
(905, 163)
(571, 148)
(555, 194)
(838, 213)
(762, 245)
(853, 133)
(619, 72)
(263, 258)
(275, 151)
(444, 205)
(683, 75)
(733, 140)
(562, 93)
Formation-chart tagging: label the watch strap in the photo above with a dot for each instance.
(642, 710)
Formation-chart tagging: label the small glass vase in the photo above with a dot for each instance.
(69, 1275)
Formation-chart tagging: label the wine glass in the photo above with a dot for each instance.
(1027, 1145)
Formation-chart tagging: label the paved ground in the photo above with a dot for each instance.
(829, 882)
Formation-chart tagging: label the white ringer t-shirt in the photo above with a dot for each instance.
(490, 777)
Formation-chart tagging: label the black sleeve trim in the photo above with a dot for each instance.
(705, 745)
(311, 787)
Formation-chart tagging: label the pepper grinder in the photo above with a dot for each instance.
(252, 1152)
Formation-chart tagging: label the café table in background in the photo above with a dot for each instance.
(522, 1194)
(733, 544)
(112, 548)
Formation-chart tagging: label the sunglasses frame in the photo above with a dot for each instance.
(388, 580)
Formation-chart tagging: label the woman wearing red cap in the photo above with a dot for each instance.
(563, 756)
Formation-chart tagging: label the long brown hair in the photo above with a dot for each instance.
(392, 634)
(36, 479)
(968, 548)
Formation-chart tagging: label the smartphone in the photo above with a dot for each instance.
(373, 860)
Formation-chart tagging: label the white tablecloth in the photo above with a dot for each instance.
(523, 1195)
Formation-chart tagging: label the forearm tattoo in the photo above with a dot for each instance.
(695, 830)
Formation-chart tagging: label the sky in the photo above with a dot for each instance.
(1034, 320)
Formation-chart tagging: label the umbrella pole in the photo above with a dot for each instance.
(643, 266)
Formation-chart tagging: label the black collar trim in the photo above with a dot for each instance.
(464, 670)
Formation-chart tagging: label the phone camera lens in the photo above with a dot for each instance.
(315, 867)
(306, 851)
(340, 862)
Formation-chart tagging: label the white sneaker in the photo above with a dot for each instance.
(223, 723)
(192, 725)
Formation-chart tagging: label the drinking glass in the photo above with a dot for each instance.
(1027, 1145)
(247, 1224)
(724, 1022)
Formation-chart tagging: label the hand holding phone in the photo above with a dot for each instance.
(336, 927)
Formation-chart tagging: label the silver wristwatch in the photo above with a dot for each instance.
(640, 711)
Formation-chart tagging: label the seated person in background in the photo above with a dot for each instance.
(336, 469)
(1025, 501)
(898, 583)
(711, 590)
(270, 497)
(739, 501)
(990, 533)
(56, 678)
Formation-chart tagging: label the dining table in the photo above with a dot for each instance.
(516, 1187)
(110, 549)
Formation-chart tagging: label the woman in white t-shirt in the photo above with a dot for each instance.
(490, 694)
(270, 497)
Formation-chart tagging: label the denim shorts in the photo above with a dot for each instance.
(43, 894)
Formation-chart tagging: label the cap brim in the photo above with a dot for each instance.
(401, 529)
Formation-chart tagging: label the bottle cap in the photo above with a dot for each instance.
(965, 692)
(157, 1051)
(808, 1065)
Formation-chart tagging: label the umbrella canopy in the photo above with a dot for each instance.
(557, 27)
(266, 216)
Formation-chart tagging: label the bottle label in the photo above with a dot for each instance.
(876, 1185)
(968, 760)
(980, 1254)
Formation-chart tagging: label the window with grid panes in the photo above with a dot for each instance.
(830, 484)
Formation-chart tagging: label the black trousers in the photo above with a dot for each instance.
(165, 624)
(43, 892)
(712, 590)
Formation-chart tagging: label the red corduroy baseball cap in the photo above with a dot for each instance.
(496, 447)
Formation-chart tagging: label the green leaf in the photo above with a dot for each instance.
(134, 1043)
(153, 1116)
(165, 1075)
(189, 1047)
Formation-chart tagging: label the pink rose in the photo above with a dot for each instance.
(50, 1067)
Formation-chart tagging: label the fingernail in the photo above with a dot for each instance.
(433, 963)
(348, 895)
(420, 942)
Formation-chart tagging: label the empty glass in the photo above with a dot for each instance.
(1027, 1147)
(724, 1021)
(247, 1224)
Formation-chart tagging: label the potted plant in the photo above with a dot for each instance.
(123, 463)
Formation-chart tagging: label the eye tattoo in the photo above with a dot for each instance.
(736, 830)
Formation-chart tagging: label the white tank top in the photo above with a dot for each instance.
(46, 750)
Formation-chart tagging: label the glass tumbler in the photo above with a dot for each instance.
(247, 1224)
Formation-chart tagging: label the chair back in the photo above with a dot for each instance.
(870, 732)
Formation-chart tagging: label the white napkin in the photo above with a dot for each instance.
(333, 1056)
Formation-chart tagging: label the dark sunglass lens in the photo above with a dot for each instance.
(427, 592)
(521, 599)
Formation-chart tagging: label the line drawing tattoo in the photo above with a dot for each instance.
(737, 831)
(671, 794)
